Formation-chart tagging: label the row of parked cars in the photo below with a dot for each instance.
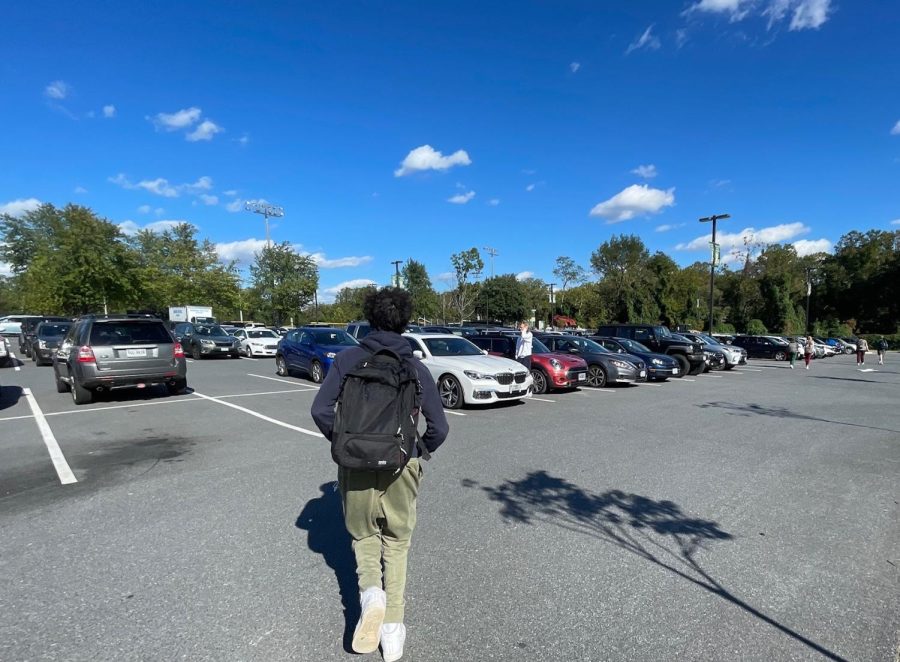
(778, 347)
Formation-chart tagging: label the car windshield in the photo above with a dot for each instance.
(584, 344)
(210, 331)
(709, 340)
(128, 333)
(262, 333)
(335, 337)
(537, 347)
(451, 347)
(662, 332)
(53, 330)
(633, 345)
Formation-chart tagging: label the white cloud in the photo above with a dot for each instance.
(736, 9)
(530, 187)
(161, 186)
(771, 235)
(427, 158)
(205, 131)
(646, 40)
(157, 227)
(243, 251)
(493, 202)
(144, 209)
(812, 246)
(158, 186)
(231, 193)
(349, 284)
(522, 275)
(80, 189)
(636, 200)
(574, 67)
(180, 119)
(896, 130)
(5, 269)
(235, 205)
(896, 222)
(805, 14)
(57, 90)
(461, 198)
(19, 207)
(243, 141)
(336, 263)
(209, 199)
(667, 227)
(645, 171)
(109, 111)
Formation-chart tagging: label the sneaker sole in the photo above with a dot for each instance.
(368, 631)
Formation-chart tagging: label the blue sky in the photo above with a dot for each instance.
(410, 129)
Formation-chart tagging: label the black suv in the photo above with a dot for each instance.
(29, 326)
(359, 330)
(763, 347)
(690, 355)
(106, 352)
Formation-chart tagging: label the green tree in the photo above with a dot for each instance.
(756, 327)
(465, 263)
(418, 283)
(284, 281)
(504, 297)
(348, 304)
(622, 265)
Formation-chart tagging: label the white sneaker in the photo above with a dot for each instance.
(373, 603)
(792, 366)
(393, 636)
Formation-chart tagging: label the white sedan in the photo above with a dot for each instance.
(257, 342)
(465, 374)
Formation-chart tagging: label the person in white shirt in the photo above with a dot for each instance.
(523, 345)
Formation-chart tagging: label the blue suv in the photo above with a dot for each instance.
(311, 350)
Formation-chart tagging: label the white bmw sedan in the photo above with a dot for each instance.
(465, 374)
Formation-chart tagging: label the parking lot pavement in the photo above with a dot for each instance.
(750, 515)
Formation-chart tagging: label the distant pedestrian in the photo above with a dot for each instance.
(861, 348)
(523, 345)
(881, 346)
(794, 350)
(809, 348)
(380, 504)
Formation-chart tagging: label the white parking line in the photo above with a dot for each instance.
(56, 455)
(682, 379)
(246, 358)
(713, 376)
(596, 390)
(260, 416)
(250, 395)
(538, 399)
(454, 413)
(283, 381)
(748, 369)
(18, 368)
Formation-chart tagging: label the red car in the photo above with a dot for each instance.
(549, 369)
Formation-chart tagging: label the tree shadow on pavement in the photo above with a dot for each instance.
(9, 396)
(323, 519)
(750, 409)
(657, 531)
(850, 379)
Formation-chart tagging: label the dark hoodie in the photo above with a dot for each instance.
(432, 408)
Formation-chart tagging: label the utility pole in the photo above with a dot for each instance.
(552, 302)
(714, 258)
(397, 264)
(267, 211)
(487, 304)
(808, 294)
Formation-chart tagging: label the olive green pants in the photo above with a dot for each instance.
(380, 515)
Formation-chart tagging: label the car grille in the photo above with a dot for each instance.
(502, 396)
(504, 378)
(223, 344)
(520, 377)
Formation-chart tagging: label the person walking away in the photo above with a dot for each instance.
(809, 348)
(523, 345)
(881, 346)
(794, 350)
(861, 348)
(380, 504)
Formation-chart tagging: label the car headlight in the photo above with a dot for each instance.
(555, 364)
(623, 365)
(207, 343)
(330, 355)
(471, 374)
(656, 362)
(42, 344)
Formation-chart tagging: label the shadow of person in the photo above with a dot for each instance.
(323, 520)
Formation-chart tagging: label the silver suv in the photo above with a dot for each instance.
(106, 352)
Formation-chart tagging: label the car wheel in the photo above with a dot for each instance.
(728, 366)
(698, 370)
(540, 381)
(683, 364)
(61, 386)
(80, 395)
(316, 373)
(780, 356)
(177, 387)
(451, 392)
(596, 376)
(281, 367)
(195, 352)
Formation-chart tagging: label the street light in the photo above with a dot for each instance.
(487, 304)
(397, 264)
(714, 258)
(809, 274)
(266, 210)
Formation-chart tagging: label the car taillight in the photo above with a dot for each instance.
(86, 355)
(178, 351)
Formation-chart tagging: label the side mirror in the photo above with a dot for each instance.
(485, 352)
(621, 351)
(418, 354)
(574, 350)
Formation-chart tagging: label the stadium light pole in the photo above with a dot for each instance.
(397, 264)
(487, 304)
(714, 248)
(267, 210)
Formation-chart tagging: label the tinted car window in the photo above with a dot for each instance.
(641, 334)
(414, 344)
(333, 337)
(53, 330)
(128, 333)
(210, 331)
(262, 333)
(451, 347)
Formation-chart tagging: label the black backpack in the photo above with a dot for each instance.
(375, 423)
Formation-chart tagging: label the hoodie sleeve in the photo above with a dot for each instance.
(325, 400)
(436, 426)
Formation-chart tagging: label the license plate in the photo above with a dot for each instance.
(674, 371)
(135, 353)
(582, 376)
(643, 373)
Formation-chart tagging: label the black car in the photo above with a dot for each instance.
(659, 366)
(762, 347)
(203, 340)
(29, 325)
(47, 338)
(659, 339)
(604, 367)
(464, 331)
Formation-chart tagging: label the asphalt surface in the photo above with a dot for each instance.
(746, 515)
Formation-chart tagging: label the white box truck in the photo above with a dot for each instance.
(194, 314)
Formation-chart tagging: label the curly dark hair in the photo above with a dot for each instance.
(388, 309)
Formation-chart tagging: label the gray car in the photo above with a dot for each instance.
(205, 340)
(103, 353)
(46, 339)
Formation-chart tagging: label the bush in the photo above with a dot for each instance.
(725, 328)
(756, 328)
(872, 338)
